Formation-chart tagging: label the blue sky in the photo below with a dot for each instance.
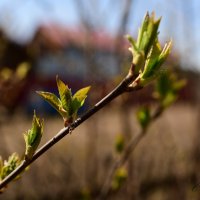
(180, 19)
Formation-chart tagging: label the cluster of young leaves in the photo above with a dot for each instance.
(33, 137)
(148, 56)
(7, 166)
(67, 105)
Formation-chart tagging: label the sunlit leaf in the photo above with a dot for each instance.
(67, 105)
(79, 99)
(146, 47)
(53, 100)
(65, 96)
(143, 29)
(149, 33)
(81, 95)
(151, 62)
(154, 61)
(33, 137)
(9, 165)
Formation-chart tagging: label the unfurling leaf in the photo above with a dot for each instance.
(81, 95)
(33, 137)
(151, 61)
(9, 165)
(79, 99)
(143, 116)
(65, 95)
(67, 105)
(147, 35)
(52, 99)
(148, 56)
(156, 58)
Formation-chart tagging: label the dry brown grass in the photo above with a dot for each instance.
(162, 166)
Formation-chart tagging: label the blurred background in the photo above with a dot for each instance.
(83, 42)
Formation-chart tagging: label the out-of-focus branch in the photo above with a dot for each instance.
(106, 188)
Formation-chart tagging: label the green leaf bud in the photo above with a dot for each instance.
(33, 137)
(9, 165)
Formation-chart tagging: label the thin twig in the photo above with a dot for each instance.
(106, 188)
(121, 88)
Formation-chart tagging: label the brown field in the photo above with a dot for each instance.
(165, 164)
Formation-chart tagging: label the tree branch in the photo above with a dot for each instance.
(106, 188)
(121, 88)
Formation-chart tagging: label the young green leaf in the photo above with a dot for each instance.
(81, 95)
(151, 61)
(67, 105)
(151, 34)
(155, 59)
(10, 165)
(143, 29)
(61, 87)
(79, 99)
(147, 33)
(65, 97)
(33, 137)
(147, 53)
(53, 100)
